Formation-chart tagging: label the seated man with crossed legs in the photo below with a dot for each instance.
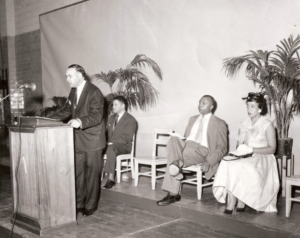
(121, 127)
(206, 144)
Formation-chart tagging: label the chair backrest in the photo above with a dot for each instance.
(132, 148)
(161, 137)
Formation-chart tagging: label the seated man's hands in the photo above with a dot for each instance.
(205, 166)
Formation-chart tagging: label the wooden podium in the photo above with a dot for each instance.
(43, 177)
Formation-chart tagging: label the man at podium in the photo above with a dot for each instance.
(86, 116)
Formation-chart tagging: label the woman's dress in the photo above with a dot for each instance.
(253, 180)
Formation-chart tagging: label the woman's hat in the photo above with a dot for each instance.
(258, 97)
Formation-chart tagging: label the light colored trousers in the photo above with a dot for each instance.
(189, 152)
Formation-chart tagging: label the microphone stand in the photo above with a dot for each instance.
(16, 90)
(31, 87)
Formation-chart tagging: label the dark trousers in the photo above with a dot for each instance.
(189, 153)
(88, 169)
(112, 152)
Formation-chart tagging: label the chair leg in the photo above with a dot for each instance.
(199, 185)
(153, 175)
(180, 188)
(132, 168)
(118, 170)
(102, 174)
(292, 165)
(136, 165)
(288, 202)
(284, 165)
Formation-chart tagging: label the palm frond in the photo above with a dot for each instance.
(253, 61)
(59, 101)
(142, 60)
(133, 82)
(109, 78)
(60, 104)
(278, 75)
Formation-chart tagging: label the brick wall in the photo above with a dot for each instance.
(22, 47)
(5, 105)
(29, 68)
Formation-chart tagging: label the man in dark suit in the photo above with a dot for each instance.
(206, 144)
(121, 127)
(86, 113)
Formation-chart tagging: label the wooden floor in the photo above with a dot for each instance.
(112, 219)
(129, 211)
(208, 211)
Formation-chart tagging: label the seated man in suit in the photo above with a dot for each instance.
(206, 144)
(121, 127)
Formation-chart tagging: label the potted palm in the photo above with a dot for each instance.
(131, 83)
(278, 74)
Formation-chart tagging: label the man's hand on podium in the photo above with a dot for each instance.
(75, 123)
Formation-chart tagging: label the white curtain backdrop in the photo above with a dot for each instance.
(187, 39)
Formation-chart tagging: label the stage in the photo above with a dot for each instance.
(208, 211)
(139, 204)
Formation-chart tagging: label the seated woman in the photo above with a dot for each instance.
(254, 180)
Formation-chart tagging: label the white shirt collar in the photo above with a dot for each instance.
(206, 116)
(120, 115)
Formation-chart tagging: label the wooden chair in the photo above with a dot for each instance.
(286, 168)
(161, 137)
(291, 181)
(124, 161)
(197, 180)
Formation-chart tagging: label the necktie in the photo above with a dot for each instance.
(116, 120)
(198, 137)
(74, 101)
(75, 98)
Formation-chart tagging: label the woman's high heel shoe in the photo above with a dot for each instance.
(240, 209)
(228, 212)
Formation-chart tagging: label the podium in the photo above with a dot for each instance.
(43, 177)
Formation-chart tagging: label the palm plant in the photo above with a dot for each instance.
(60, 104)
(278, 74)
(133, 84)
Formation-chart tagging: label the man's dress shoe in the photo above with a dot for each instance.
(88, 212)
(169, 199)
(109, 184)
(80, 210)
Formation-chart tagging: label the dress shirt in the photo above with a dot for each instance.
(79, 90)
(203, 140)
(120, 115)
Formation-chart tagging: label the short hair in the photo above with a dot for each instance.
(213, 101)
(78, 68)
(122, 100)
(260, 100)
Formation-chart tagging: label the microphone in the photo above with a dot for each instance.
(30, 86)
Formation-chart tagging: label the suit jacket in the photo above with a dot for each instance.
(91, 137)
(216, 140)
(123, 131)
